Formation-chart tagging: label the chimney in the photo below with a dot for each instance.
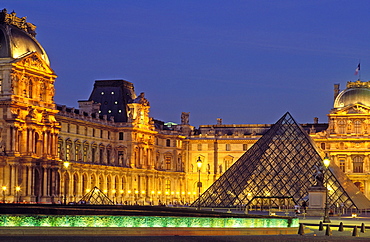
(315, 120)
(336, 91)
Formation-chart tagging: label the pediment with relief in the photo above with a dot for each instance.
(353, 109)
(34, 61)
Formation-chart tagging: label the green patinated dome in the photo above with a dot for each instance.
(356, 93)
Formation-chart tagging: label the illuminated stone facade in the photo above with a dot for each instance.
(111, 142)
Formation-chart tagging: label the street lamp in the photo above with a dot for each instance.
(114, 196)
(326, 162)
(4, 189)
(199, 164)
(17, 190)
(65, 165)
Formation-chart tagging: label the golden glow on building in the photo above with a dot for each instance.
(50, 150)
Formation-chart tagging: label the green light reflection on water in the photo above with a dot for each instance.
(143, 221)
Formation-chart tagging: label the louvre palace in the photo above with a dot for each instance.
(52, 153)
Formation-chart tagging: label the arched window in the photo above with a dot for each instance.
(75, 184)
(93, 181)
(36, 143)
(101, 183)
(84, 184)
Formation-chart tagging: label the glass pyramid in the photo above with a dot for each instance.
(278, 170)
(96, 197)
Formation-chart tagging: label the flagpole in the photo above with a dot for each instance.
(359, 70)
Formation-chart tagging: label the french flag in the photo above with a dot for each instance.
(357, 69)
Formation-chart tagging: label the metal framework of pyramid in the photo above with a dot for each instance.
(278, 169)
(96, 197)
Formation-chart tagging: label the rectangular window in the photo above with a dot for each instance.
(93, 132)
(108, 134)
(120, 135)
(227, 147)
(358, 167)
(342, 165)
(168, 142)
(168, 162)
(199, 147)
(101, 133)
(358, 164)
(245, 147)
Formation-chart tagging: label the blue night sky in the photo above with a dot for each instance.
(242, 61)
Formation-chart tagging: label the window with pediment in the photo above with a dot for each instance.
(68, 150)
(101, 154)
(77, 151)
(86, 148)
(342, 127)
(357, 126)
(342, 164)
(94, 148)
(168, 161)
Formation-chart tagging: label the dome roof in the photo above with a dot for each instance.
(356, 92)
(17, 38)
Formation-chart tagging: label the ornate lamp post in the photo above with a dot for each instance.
(199, 164)
(326, 162)
(4, 189)
(65, 165)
